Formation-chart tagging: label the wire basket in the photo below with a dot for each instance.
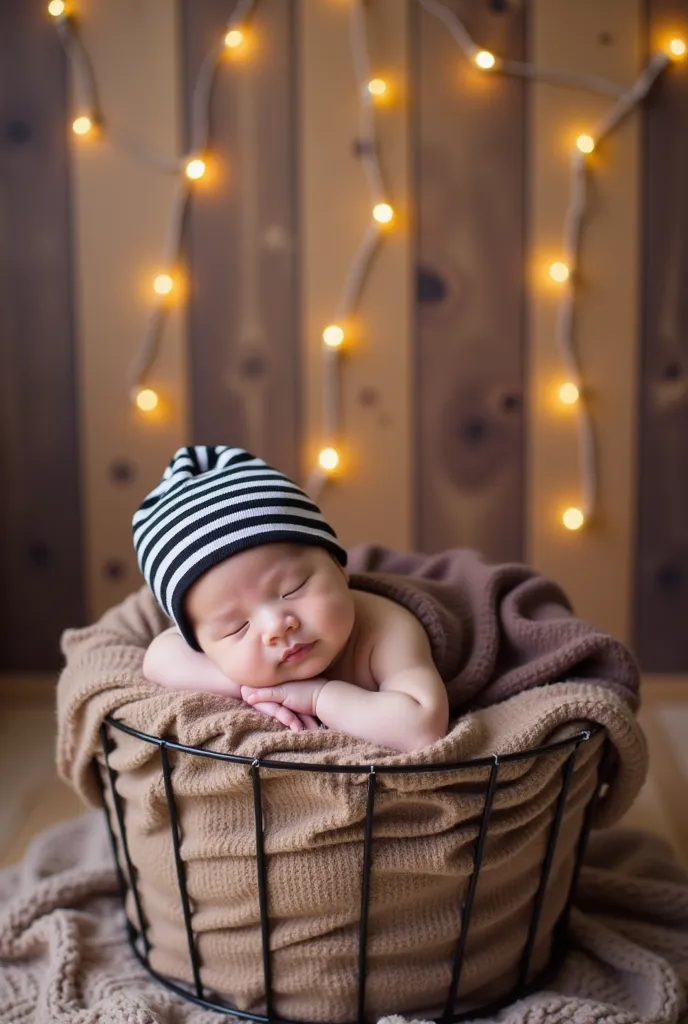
(196, 992)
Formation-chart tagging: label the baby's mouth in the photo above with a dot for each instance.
(296, 652)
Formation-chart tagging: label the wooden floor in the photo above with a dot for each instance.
(32, 797)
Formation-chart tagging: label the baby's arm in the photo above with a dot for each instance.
(170, 662)
(410, 710)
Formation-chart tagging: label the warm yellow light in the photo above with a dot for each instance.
(328, 459)
(559, 272)
(573, 519)
(677, 48)
(234, 38)
(163, 284)
(585, 143)
(82, 125)
(333, 335)
(485, 60)
(195, 168)
(568, 393)
(56, 8)
(383, 213)
(147, 399)
(377, 87)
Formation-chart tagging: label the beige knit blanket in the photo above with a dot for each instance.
(64, 958)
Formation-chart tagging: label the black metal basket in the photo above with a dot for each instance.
(128, 879)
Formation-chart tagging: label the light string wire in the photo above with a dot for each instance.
(359, 270)
(368, 152)
(88, 103)
(565, 329)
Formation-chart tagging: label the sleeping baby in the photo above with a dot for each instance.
(255, 581)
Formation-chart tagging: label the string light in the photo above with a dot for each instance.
(573, 519)
(328, 459)
(195, 168)
(333, 335)
(559, 272)
(569, 393)
(383, 213)
(82, 125)
(163, 284)
(485, 60)
(147, 399)
(234, 38)
(377, 87)
(585, 143)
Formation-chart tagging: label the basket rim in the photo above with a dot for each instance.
(583, 736)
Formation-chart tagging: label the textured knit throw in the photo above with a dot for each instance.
(500, 636)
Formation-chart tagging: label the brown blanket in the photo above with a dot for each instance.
(498, 634)
(64, 958)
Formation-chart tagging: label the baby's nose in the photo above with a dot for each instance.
(277, 625)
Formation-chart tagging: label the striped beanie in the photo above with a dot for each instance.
(212, 503)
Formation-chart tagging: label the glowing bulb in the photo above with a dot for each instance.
(234, 38)
(383, 213)
(195, 168)
(147, 399)
(82, 125)
(568, 393)
(56, 8)
(333, 335)
(485, 60)
(163, 284)
(677, 48)
(573, 519)
(559, 272)
(585, 143)
(328, 459)
(377, 87)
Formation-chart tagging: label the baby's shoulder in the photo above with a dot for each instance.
(375, 613)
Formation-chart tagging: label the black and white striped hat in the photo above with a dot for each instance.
(211, 503)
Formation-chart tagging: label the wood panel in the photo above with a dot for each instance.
(121, 214)
(242, 245)
(595, 564)
(661, 577)
(469, 138)
(40, 551)
(371, 498)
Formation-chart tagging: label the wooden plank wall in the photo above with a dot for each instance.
(595, 565)
(41, 581)
(244, 343)
(469, 151)
(661, 570)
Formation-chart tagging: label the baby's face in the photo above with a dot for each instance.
(273, 614)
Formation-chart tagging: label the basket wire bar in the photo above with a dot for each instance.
(547, 867)
(365, 893)
(131, 871)
(563, 923)
(467, 907)
(262, 887)
(121, 881)
(449, 1015)
(181, 873)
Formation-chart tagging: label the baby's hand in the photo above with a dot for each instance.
(301, 697)
(297, 723)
